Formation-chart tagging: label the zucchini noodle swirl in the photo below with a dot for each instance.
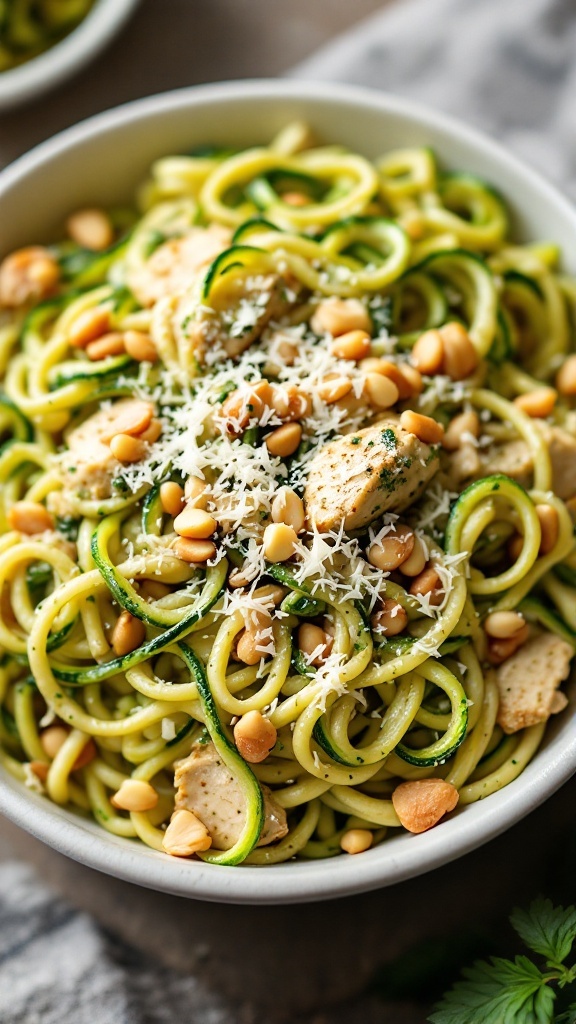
(288, 476)
(29, 27)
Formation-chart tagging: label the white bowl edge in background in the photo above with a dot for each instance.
(101, 161)
(28, 81)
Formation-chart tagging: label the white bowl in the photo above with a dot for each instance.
(29, 81)
(101, 161)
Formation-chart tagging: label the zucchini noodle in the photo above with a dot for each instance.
(284, 467)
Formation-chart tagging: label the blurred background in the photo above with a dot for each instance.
(76, 946)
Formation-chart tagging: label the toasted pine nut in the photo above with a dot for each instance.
(396, 374)
(153, 590)
(290, 402)
(195, 523)
(108, 345)
(380, 391)
(152, 432)
(428, 583)
(89, 325)
(460, 429)
(416, 561)
(295, 199)
(245, 405)
(504, 625)
(238, 578)
(338, 316)
(428, 353)
(128, 634)
(538, 403)
(313, 640)
(130, 416)
(353, 345)
(356, 840)
(86, 755)
(422, 803)
(40, 769)
(135, 795)
(92, 229)
(423, 427)
(288, 508)
(460, 354)
(549, 526)
(392, 550)
(194, 550)
(566, 377)
(284, 441)
(53, 738)
(247, 648)
(140, 346)
(126, 448)
(29, 517)
(391, 619)
(185, 835)
(27, 275)
(499, 650)
(196, 492)
(171, 497)
(333, 389)
(413, 378)
(279, 542)
(254, 736)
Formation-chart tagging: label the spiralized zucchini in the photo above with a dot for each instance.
(29, 27)
(221, 317)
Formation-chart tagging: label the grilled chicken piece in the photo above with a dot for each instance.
(382, 468)
(528, 682)
(177, 264)
(514, 459)
(208, 789)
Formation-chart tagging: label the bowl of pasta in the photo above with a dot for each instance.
(44, 42)
(288, 476)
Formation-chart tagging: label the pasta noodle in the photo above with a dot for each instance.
(286, 503)
(29, 27)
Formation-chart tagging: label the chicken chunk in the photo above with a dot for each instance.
(514, 459)
(88, 466)
(528, 682)
(177, 264)
(208, 789)
(358, 477)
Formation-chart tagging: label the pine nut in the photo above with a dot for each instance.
(338, 316)
(356, 840)
(428, 353)
(127, 449)
(284, 441)
(416, 561)
(195, 523)
(135, 795)
(380, 391)
(420, 804)
(467, 423)
(538, 403)
(130, 416)
(288, 508)
(128, 634)
(566, 377)
(196, 492)
(396, 374)
(153, 590)
(413, 378)
(423, 427)
(499, 650)
(391, 619)
(29, 517)
(27, 275)
(460, 354)
(294, 199)
(194, 550)
(89, 325)
(353, 345)
(246, 405)
(313, 640)
(171, 497)
(238, 578)
(333, 389)
(152, 432)
(140, 347)
(392, 550)
(504, 625)
(549, 526)
(290, 402)
(428, 583)
(108, 345)
(52, 739)
(279, 542)
(40, 769)
(254, 737)
(91, 229)
(185, 835)
(247, 648)
(87, 754)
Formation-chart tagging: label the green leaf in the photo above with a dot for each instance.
(568, 1017)
(498, 992)
(546, 929)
